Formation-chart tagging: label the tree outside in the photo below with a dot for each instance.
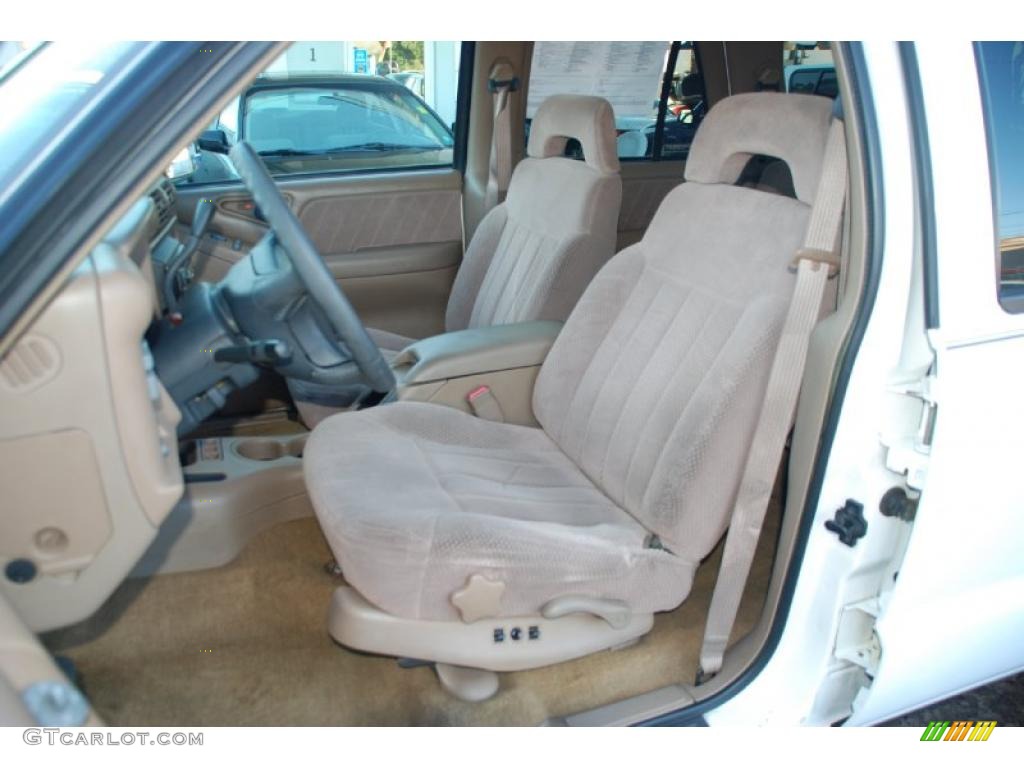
(401, 56)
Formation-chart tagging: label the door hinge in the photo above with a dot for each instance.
(909, 451)
(856, 639)
(856, 653)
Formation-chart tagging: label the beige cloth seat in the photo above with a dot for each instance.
(534, 254)
(647, 404)
(414, 498)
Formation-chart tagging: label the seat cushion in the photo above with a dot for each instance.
(415, 498)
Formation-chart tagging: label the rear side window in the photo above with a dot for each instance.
(328, 107)
(655, 89)
(1001, 73)
(809, 68)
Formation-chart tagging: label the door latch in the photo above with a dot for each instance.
(849, 523)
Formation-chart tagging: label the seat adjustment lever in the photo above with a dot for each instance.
(615, 612)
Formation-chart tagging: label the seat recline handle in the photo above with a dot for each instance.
(615, 612)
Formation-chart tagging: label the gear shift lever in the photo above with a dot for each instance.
(200, 222)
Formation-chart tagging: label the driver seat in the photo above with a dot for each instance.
(487, 546)
(532, 255)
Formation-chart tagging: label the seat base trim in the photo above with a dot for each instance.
(505, 644)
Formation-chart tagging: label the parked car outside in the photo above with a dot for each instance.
(318, 123)
(414, 81)
(812, 79)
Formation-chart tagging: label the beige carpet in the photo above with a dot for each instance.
(246, 644)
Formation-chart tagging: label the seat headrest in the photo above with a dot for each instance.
(792, 127)
(588, 119)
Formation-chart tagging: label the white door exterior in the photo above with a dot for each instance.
(956, 617)
(916, 612)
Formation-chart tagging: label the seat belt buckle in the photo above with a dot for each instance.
(494, 85)
(484, 404)
(818, 256)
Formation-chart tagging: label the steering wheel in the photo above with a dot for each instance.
(310, 268)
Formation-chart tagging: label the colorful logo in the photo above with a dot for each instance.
(958, 730)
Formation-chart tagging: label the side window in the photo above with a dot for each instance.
(809, 68)
(327, 107)
(654, 119)
(1001, 73)
(804, 81)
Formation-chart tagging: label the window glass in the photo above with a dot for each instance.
(686, 105)
(631, 76)
(1001, 71)
(809, 68)
(339, 106)
(228, 120)
(804, 81)
(51, 85)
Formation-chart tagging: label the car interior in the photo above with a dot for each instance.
(448, 445)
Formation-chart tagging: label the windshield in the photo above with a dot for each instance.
(312, 120)
(43, 93)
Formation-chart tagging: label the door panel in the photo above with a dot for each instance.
(644, 186)
(409, 303)
(348, 223)
(393, 241)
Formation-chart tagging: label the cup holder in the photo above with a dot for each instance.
(188, 453)
(270, 450)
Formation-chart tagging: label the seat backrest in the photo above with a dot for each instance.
(655, 384)
(533, 255)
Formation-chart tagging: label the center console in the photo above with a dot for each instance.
(487, 371)
(235, 487)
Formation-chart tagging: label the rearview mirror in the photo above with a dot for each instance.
(182, 165)
(214, 141)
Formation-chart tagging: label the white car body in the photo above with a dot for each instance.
(927, 608)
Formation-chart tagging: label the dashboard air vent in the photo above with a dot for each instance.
(31, 363)
(164, 197)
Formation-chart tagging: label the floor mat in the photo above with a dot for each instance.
(246, 644)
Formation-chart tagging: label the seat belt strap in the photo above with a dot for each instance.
(501, 83)
(814, 263)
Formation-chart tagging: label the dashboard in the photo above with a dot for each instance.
(127, 355)
(88, 432)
